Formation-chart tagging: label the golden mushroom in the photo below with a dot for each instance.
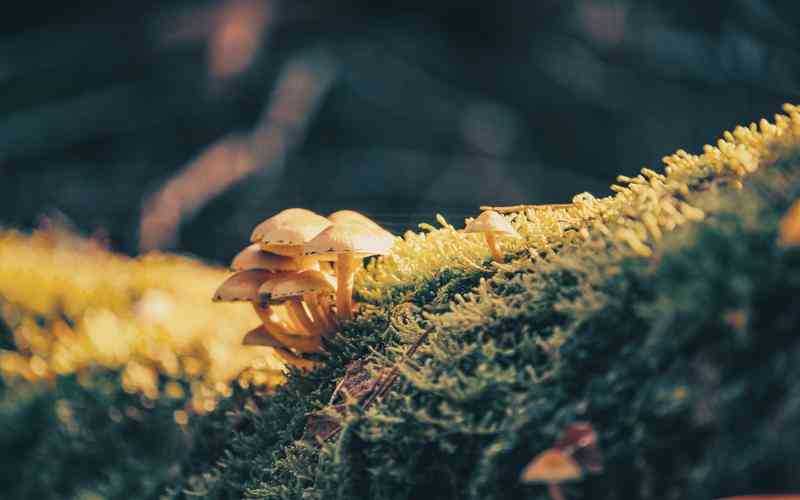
(789, 228)
(347, 244)
(285, 232)
(260, 337)
(253, 257)
(552, 466)
(294, 288)
(243, 287)
(492, 224)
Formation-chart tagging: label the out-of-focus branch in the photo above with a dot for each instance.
(297, 95)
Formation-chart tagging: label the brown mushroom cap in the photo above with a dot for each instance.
(579, 440)
(243, 286)
(296, 285)
(259, 337)
(551, 466)
(293, 226)
(253, 257)
(491, 222)
(359, 240)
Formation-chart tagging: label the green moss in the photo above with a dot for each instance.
(85, 439)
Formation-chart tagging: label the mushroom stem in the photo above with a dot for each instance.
(272, 326)
(555, 491)
(291, 325)
(491, 240)
(319, 314)
(345, 272)
(299, 313)
(326, 304)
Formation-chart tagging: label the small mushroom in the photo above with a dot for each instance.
(579, 441)
(789, 227)
(492, 224)
(287, 231)
(347, 243)
(288, 331)
(243, 287)
(253, 257)
(261, 337)
(290, 288)
(553, 467)
(763, 497)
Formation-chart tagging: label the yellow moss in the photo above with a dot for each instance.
(73, 306)
(642, 208)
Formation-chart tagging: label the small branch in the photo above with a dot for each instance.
(521, 208)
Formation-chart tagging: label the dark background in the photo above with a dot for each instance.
(180, 125)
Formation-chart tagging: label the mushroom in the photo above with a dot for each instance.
(552, 466)
(789, 227)
(346, 243)
(763, 497)
(579, 441)
(287, 231)
(243, 287)
(290, 288)
(261, 337)
(353, 217)
(253, 257)
(492, 224)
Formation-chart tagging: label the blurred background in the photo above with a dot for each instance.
(181, 124)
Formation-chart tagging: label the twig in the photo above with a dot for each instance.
(520, 208)
(382, 388)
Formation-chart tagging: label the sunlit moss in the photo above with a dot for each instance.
(73, 307)
(641, 209)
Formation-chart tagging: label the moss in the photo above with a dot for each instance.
(677, 345)
(86, 439)
(665, 315)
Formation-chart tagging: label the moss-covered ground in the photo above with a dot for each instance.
(665, 315)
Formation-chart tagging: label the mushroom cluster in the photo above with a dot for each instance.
(287, 277)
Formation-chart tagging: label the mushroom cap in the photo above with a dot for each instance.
(491, 222)
(551, 466)
(579, 440)
(243, 286)
(295, 285)
(259, 336)
(346, 238)
(253, 257)
(293, 226)
(763, 497)
(353, 217)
